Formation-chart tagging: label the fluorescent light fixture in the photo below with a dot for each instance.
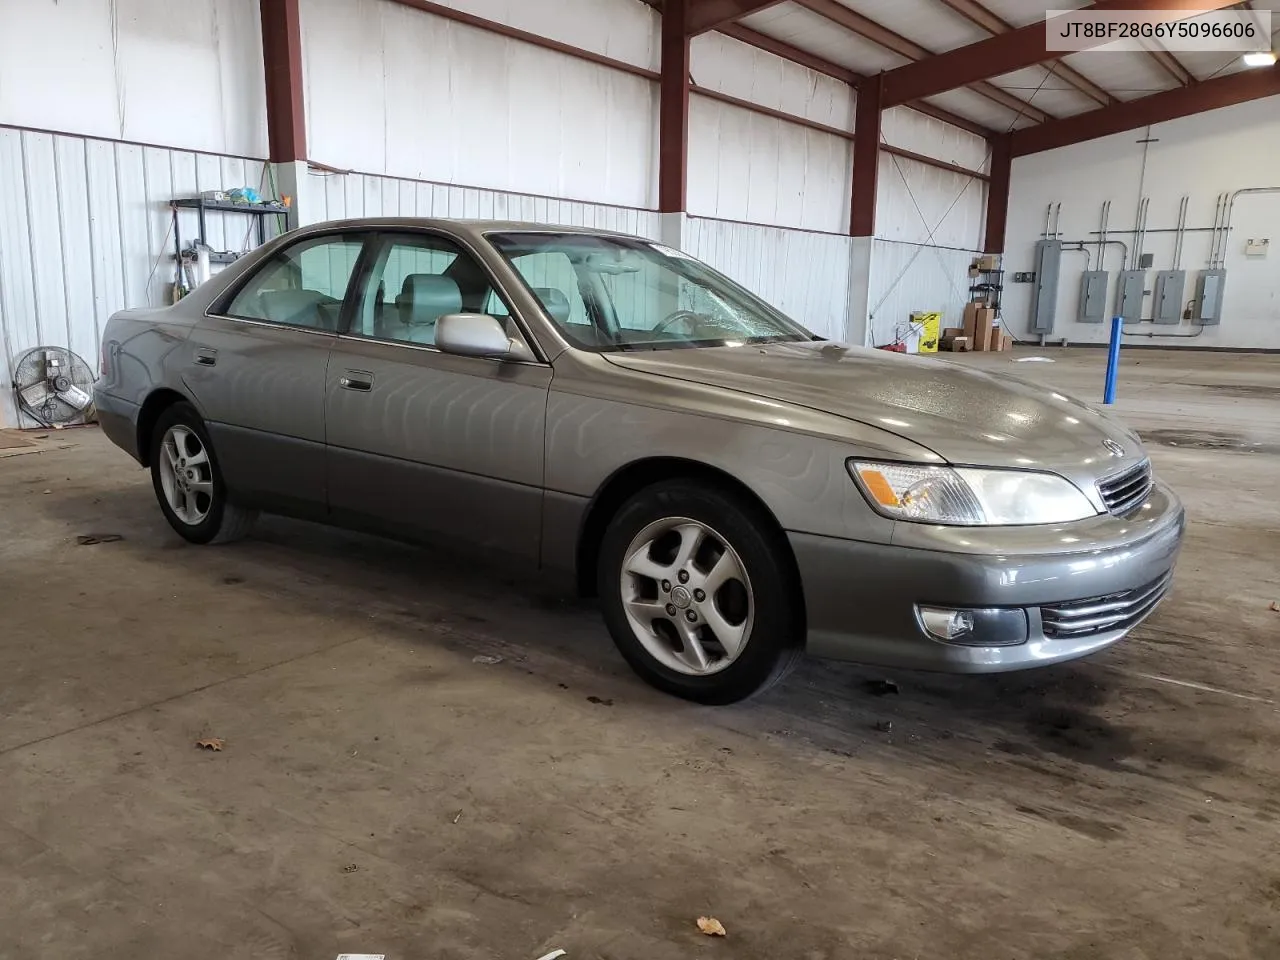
(1259, 58)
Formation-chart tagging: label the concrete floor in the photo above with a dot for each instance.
(381, 791)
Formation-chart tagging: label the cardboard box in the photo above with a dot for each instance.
(1006, 342)
(978, 320)
(950, 333)
(958, 344)
(995, 340)
(988, 262)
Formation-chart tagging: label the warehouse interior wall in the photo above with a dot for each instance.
(137, 70)
(412, 114)
(1199, 157)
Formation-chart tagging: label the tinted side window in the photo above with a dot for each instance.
(414, 280)
(302, 285)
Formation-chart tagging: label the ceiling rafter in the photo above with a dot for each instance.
(1161, 107)
(882, 36)
(1019, 48)
(707, 15)
(976, 13)
(812, 61)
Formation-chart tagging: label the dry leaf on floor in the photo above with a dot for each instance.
(211, 743)
(712, 927)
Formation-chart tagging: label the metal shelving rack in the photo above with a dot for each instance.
(989, 283)
(202, 206)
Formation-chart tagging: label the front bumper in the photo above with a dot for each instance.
(861, 599)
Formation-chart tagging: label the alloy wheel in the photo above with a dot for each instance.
(186, 475)
(687, 596)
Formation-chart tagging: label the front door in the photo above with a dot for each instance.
(257, 371)
(423, 442)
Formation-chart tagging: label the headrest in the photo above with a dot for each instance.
(292, 306)
(425, 297)
(556, 302)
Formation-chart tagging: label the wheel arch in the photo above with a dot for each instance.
(157, 402)
(629, 480)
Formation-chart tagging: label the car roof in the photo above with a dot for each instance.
(474, 228)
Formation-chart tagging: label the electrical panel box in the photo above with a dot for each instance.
(1093, 296)
(1044, 294)
(1129, 295)
(1167, 305)
(1147, 261)
(1209, 296)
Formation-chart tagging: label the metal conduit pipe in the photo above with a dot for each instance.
(1226, 224)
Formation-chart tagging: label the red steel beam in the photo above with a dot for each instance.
(673, 109)
(1006, 52)
(282, 58)
(1172, 66)
(707, 15)
(808, 124)
(815, 63)
(882, 36)
(1157, 108)
(866, 159)
(786, 51)
(998, 194)
(976, 13)
(933, 161)
(524, 36)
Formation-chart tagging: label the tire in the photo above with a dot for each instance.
(208, 516)
(649, 533)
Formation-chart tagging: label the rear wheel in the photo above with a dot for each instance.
(188, 484)
(697, 593)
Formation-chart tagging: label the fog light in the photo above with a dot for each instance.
(989, 627)
(946, 624)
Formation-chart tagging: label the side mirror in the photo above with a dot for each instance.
(475, 335)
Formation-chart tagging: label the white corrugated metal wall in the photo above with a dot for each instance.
(84, 222)
(85, 230)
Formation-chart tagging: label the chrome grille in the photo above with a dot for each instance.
(1125, 492)
(1116, 611)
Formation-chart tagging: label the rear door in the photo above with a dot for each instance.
(425, 442)
(258, 368)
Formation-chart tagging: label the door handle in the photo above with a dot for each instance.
(356, 380)
(207, 358)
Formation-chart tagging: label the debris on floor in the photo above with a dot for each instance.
(457, 816)
(601, 701)
(712, 927)
(351, 868)
(1033, 360)
(88, 539)
(884, 726)
(880, 688)
(362, 956)
(553, 955)
(211, 743)
(486, 659)
(1275, 607)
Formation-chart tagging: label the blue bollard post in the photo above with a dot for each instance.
(1113, 361)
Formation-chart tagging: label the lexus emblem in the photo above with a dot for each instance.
(1113, 448)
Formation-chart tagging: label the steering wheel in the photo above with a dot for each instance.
(675, 318)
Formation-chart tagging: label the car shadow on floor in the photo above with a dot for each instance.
(1082, 714)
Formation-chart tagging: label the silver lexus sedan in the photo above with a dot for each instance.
(734, 489)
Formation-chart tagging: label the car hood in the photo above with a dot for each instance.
(965, 415)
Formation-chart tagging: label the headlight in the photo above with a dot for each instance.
(968, 496)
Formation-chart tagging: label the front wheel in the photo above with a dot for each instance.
(188, 484)
(698, 594)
